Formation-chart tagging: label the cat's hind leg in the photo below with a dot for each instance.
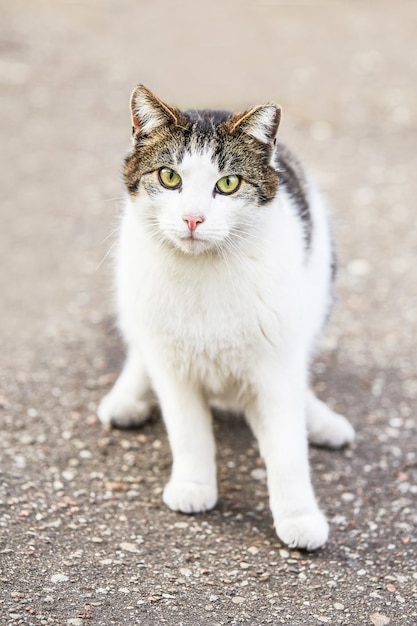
(325, 427)
(130, 402)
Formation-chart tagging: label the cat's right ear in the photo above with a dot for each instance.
(149, 113)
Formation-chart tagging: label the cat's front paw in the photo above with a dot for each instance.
(117, 410)
(308, 531)
(190, 497)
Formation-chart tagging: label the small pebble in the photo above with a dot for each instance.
(378, 619)
(258, 473)
(59, 578)
(68, 475)
(126, 546)
(184, 571)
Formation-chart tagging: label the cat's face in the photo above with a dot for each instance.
(199, 179)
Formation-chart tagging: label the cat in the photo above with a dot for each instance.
(224, 273)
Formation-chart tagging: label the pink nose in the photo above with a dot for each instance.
(193, 221)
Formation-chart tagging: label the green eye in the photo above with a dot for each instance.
(228, 184)
(169, 178)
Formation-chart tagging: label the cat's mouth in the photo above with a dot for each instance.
(192, 243)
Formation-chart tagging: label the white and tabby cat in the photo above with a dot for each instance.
(224, 281)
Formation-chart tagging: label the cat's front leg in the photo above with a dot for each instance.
(192, 487)
(277, 417)
(130, 401)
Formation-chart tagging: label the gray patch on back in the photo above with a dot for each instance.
(291, 176)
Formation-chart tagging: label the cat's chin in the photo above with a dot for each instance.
(192, 245)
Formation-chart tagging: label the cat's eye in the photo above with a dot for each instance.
(169, 178)
(228, 184)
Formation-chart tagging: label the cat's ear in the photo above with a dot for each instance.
(261, 122)
(149, 113)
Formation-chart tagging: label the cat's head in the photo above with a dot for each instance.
(200, 178)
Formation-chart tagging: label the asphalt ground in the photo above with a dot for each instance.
(85, 538)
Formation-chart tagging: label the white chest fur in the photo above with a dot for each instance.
(210, 314)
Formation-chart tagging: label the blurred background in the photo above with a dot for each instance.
(345, 73)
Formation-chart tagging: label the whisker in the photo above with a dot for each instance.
(114, 199)
(113, 232)
(106, 255)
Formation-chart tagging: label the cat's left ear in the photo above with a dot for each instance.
(261, 122)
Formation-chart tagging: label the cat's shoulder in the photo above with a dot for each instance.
(293, 179)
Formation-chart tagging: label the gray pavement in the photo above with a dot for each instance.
(84, 536)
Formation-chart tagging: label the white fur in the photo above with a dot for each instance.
(228, 318)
